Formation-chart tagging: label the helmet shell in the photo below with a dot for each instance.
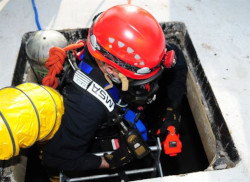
(131, 34)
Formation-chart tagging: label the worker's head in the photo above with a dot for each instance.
(131, 41)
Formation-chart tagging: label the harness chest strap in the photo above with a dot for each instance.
(89, 85)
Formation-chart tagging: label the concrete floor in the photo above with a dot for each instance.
(220, 31)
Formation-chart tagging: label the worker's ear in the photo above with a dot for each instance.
(110, 69)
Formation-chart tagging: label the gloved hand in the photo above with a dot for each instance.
(120, 157)
(170, 117)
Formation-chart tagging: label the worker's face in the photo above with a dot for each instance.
(112, 72)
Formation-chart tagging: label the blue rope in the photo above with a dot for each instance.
(36, 15)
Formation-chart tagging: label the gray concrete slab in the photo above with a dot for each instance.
(220, 31)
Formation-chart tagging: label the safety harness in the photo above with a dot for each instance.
(87, 84)
(127, 121)
(131, 128)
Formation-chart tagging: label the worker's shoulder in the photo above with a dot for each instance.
(78, 96)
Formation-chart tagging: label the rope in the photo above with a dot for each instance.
(36, 15)
(55, 63)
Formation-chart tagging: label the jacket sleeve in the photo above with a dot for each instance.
(176, 79)
(68, 149)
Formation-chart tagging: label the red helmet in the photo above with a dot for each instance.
(130, 39)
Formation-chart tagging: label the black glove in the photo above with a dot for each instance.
(170, 118)
(120, 157)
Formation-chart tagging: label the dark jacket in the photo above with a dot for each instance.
(174, 79)
(172, 90)
(67, 150)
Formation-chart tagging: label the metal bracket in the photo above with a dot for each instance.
(157, 167)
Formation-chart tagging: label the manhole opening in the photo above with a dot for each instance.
(207, 143)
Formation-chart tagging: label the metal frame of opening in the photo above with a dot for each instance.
(156, 168)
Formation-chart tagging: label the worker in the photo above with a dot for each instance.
(126, 61)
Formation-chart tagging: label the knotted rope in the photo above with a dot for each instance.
(56, 61)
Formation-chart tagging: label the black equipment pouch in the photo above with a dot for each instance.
(137, 146)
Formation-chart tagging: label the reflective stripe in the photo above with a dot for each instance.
(86, 83)
(81, 79)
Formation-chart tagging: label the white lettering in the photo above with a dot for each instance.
(96, 90)
(101, 95)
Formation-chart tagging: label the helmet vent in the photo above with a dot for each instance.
(143, 70)
(137, 57)
(130, 50)
(111, 40)
(120, 44)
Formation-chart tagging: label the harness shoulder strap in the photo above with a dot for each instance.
(85, 83)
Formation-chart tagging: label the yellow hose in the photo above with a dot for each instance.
(28, 113)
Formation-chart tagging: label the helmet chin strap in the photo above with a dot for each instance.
(110, 82)
(124, 81)
(121, 80)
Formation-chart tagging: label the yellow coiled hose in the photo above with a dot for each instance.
(28, 113)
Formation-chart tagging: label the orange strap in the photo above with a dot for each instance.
(55, 63)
